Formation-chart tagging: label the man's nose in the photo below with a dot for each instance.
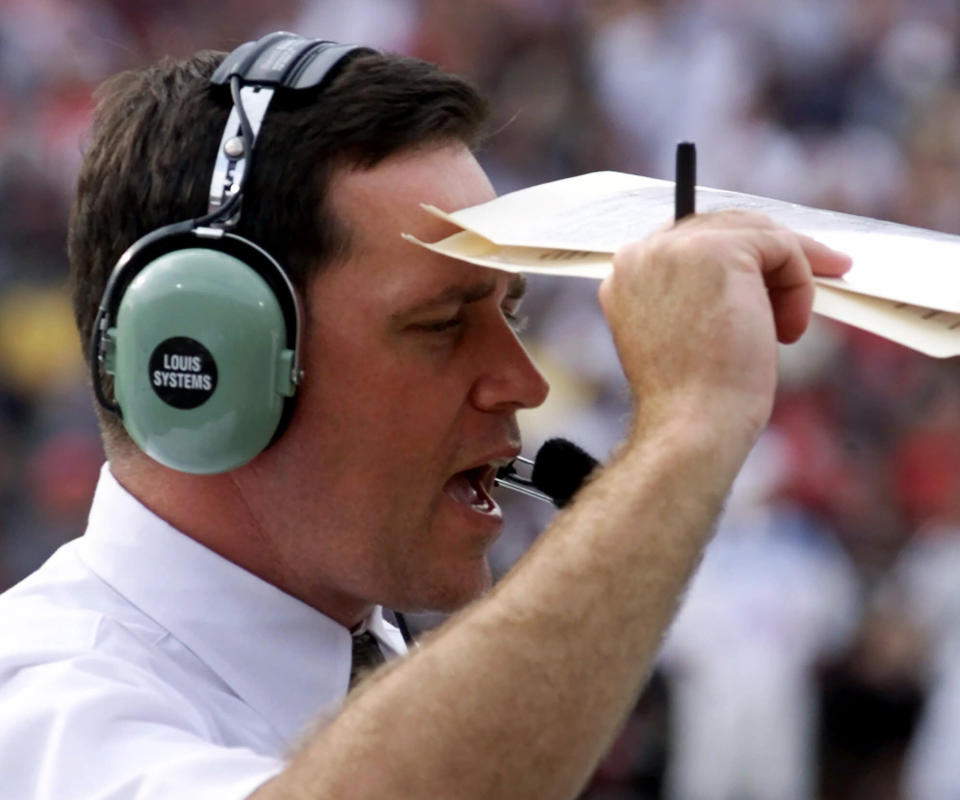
(511, 380)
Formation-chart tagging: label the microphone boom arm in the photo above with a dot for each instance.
(558, 472)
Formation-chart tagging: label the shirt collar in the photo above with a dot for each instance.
(282, 657)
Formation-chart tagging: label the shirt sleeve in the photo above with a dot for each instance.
(93, 727)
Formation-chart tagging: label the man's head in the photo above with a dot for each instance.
(382, 478)
(378, 490)
(155, 137)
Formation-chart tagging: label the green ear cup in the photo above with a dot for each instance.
(200, 362)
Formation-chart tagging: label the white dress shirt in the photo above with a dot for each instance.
(137, 664)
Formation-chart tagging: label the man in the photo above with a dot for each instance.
(196, 641)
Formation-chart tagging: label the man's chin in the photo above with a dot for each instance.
(448, 596)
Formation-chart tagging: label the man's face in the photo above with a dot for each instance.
(413, 378)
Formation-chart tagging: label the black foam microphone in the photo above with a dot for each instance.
(558, 471)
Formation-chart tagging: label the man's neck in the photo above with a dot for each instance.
(213, 510)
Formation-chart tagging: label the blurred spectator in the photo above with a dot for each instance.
(870, 702)
(929, 570)
(928, 573)
(773, 598)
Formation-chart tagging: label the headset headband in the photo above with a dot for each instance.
(254, 71)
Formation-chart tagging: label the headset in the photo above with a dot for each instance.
(200, 328)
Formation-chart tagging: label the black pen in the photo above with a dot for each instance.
(684, 200)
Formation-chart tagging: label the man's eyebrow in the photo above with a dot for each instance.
(518, 287)
(473, 293)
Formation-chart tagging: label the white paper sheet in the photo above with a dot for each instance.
(571, 228)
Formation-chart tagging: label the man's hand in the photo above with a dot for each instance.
(696, 311)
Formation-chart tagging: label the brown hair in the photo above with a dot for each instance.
(153, 148)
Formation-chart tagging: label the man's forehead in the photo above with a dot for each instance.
(383, 202)
(393, 191)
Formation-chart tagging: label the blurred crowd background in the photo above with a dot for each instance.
(817, 654)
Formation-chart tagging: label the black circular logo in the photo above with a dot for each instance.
(182, 372)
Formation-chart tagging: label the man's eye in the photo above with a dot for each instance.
(442, 325)
(516, 321)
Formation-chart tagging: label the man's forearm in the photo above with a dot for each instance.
(520, 694)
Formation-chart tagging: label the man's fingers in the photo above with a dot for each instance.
(824, 260)
(792, 308)
(747, 242)
(786, 271)
(788, 262)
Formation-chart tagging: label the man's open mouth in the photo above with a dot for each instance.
(472, 488)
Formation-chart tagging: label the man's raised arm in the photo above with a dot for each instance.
(520, 694)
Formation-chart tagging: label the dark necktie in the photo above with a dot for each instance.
(367, 656)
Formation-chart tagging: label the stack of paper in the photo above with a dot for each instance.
(904, 283)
